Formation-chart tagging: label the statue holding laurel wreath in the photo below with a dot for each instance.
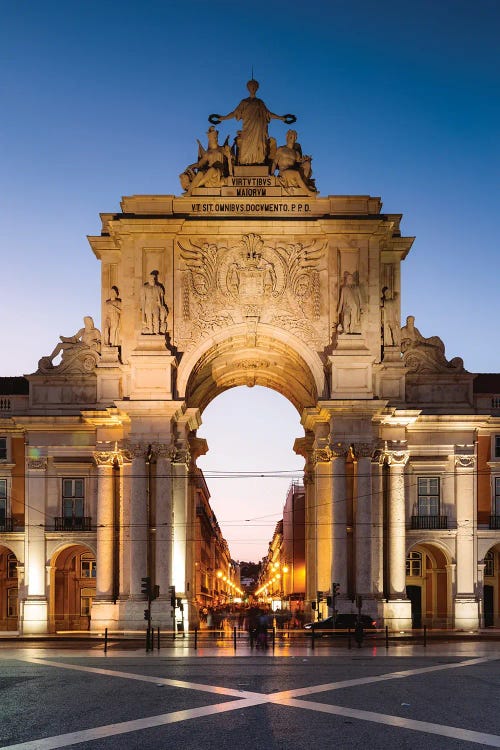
(253, 139)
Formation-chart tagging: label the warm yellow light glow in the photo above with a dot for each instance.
(285, 568)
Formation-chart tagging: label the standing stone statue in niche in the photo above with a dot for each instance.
(349, 308)
(294, 169)
(212, 168)
(252, 140)
(112, 318)
(390, 318)
(154, 311)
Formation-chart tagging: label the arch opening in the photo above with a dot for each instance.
(428, 585)
(9, 591)
(73, 583)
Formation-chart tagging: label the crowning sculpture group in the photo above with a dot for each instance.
(247, 275)
(252, 146)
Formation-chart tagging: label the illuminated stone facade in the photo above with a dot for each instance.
(251, 277)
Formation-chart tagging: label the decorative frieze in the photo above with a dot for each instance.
(38, 463)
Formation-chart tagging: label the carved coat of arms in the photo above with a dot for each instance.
(278, 283)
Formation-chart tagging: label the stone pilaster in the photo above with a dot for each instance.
(35, 605)
(466, 607)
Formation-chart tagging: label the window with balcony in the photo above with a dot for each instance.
(5, 521)
(3, 449)
(428, 505)
(497, 447)
(73, 496)
(495, 516)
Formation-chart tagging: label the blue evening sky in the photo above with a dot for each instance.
(395, 99)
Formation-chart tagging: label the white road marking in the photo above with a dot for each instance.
(111, 730)
(487, 740)
(248, 699)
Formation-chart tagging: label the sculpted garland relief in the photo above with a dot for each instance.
(275, 283)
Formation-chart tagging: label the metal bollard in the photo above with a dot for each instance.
(195, 639)
(312, 637)
(425, 636)
(387, 636)
(158, 641)
(105, 640)
(274, 637)
(349, 644)
(234, 638)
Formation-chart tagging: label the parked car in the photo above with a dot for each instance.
(342, 623)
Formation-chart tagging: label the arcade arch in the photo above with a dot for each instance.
(72, 587)
(429, 585)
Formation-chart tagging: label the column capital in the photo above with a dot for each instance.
(339, 449)
(133, 450)
(363, 450)
(36, 464)
(464, 461)
(104, 458)
(397, 458)
(321, 455)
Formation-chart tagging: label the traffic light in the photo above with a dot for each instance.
(171, 593)
(146, 614)
(155, 592)
(146, 586)
(329, 601)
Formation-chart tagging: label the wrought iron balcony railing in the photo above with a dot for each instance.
(72, 523)
(429, 522)
(494, 522)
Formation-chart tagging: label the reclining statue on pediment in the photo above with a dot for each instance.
(425, 355)
(79, 353)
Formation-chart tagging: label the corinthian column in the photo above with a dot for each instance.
(105, 525)
(363, 527)
(339, 516)
(163, 556)
(397, 461)
(138, 520)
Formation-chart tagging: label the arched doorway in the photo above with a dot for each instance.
(9, 607)
(491, 587)
(73, 588)
(428, 585)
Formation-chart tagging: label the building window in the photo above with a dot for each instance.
(497, 446)
(12, 602)
(489, 563)
(496, 500)
(414, 564)
(72, 496)
(428, 496)
(3, 449)
(87, 566)
(3, 501)
(11, 566)
(86, 596)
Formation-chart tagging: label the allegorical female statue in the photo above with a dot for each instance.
(255, 116)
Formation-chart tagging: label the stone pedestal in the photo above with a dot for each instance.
(151, 368)
(351, 367)
(397, 614)
(466, 613)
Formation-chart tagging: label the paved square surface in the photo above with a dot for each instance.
(442, 697)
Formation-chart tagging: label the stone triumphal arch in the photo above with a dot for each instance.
(250, 276)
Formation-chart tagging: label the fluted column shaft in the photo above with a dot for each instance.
(339, 520)
(138, 522)
(163, 507)
(105, 526)
(397, 532)
(364, 525)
